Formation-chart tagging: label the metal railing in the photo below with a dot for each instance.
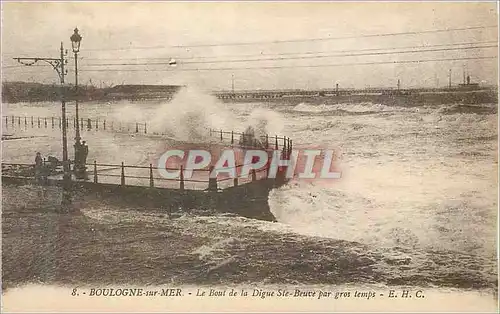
(86, 124)
(143, 175)
(249, 140)
(121, 174)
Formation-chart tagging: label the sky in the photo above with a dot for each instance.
(325, 43)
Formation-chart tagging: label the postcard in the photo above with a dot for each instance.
(249, 156)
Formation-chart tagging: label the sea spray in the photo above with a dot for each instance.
(335, 212)
(265, 121)
(188, 116)
(192, 112)
(364, 107)
(129, 113)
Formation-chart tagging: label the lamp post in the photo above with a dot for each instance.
(58, 65)
(75, 43)
(80, 158)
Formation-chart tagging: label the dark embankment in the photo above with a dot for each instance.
(13, 92)
(247, 200)
(404, 99)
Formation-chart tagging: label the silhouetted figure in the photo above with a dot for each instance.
(81, 152)
(38, 160)
(78, 154)
(82, 160)
(85, 153)
(38, 166)
(53, 162)
(249, 138)
(78, 160)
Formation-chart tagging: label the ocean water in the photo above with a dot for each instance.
(418, 183)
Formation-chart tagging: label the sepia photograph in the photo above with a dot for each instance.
(249, 156)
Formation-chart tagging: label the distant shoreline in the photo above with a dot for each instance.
(15, 92)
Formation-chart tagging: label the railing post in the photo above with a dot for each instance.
(210, 130)
(97, 123)
(74, 123)
(232, 137)
(104, 124)
(89, 124)
(182, 178)
(212, 182)
(59, 119)
(32, 121)
(6, 121)
(276, 136)
(284, 147)
(221, 135)
(37, 119)
(95, 171)
(81, 123)
(19, 121)
(290, 147)
(67, 122)
(151, 180)
(136, 127)
(14, 118)
(52, 121)
(254, 175)
(268, 168)
(267, 141)
(145, 128)
(45, 122)
(25, 122)
(123, 175)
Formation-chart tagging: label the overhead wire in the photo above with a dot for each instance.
(291, 66)
(296, 58)
(296, 53)
(301, 55)
(296, 40)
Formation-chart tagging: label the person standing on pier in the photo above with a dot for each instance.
(38, 166)
(81, 153)
(85, 153)
(83, 161)
(78, 159)
(38, 160)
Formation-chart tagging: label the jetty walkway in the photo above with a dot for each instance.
(146, 175)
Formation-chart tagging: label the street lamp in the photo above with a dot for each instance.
(75, 43)
(80, 155)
